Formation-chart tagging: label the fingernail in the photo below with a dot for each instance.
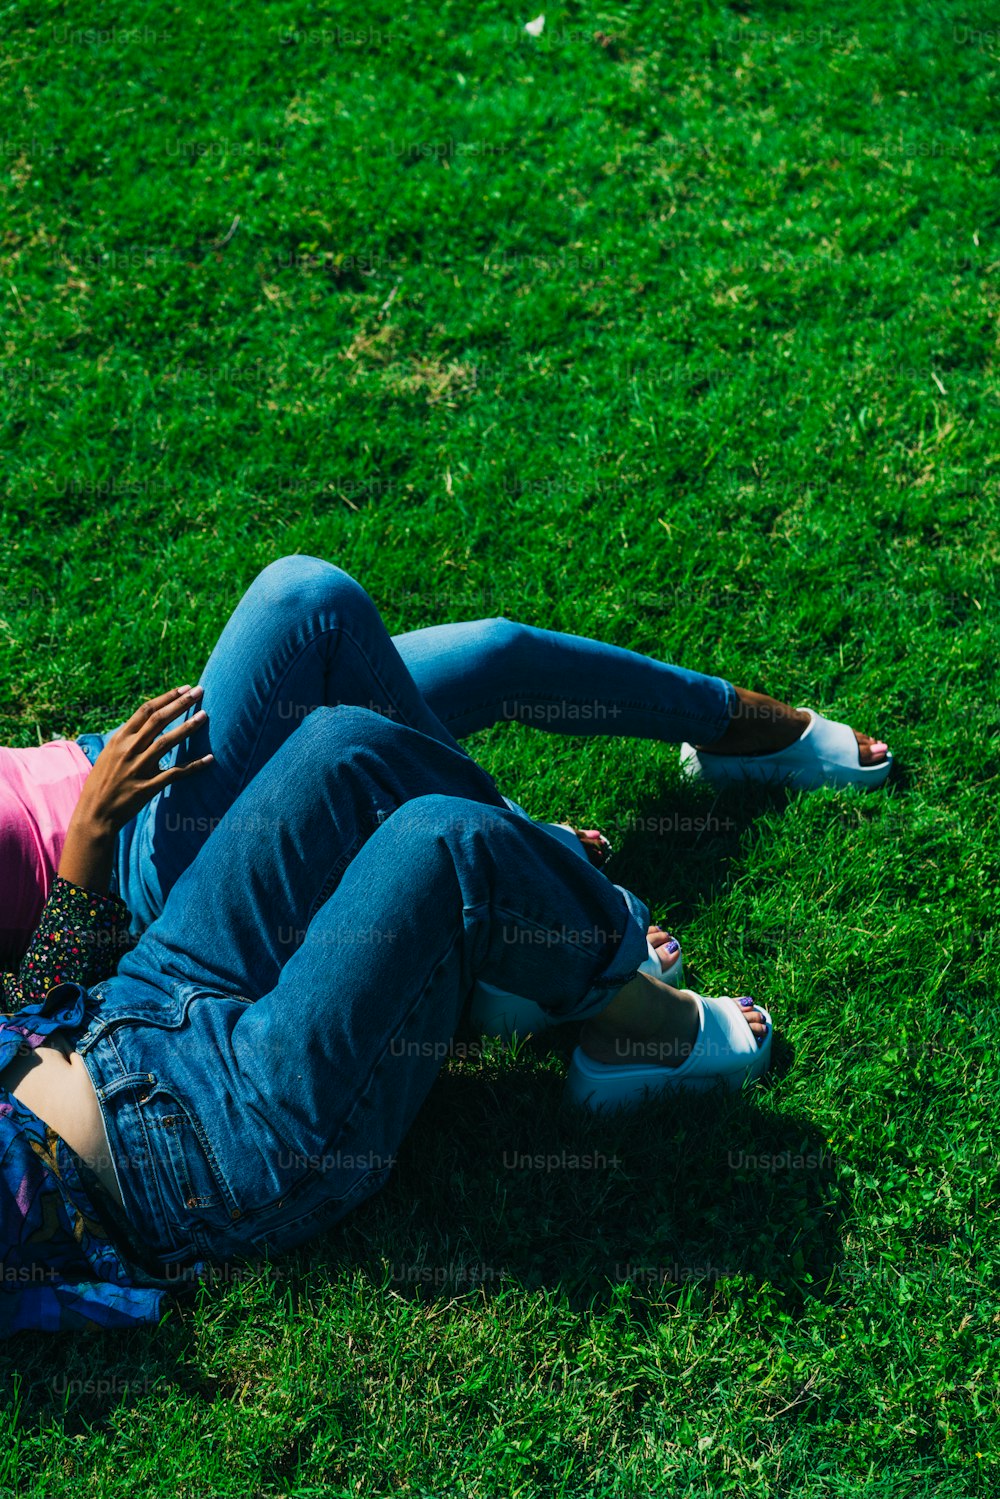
(673, 945)
(196, 691)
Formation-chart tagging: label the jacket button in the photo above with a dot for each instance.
(234, 1214)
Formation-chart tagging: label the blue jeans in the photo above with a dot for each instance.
(306, 635)
(262, 1052)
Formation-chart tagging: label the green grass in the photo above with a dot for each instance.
(683, 335)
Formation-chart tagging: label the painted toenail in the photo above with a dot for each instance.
(673, 945)
(747, 1002)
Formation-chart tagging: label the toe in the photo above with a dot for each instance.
(752, 1016)
(666, 946)
(871, 751)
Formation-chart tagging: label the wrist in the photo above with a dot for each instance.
(93, 823)
(88, 855)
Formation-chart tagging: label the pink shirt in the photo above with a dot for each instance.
(39, 789)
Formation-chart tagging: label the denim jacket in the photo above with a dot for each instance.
(61, 1267)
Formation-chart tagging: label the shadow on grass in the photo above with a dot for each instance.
(685, 841)
(500, 1190)
(500, 1187)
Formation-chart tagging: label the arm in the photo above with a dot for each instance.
(84, 930)
(88, 854)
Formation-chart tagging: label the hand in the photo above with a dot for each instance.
(127, 774)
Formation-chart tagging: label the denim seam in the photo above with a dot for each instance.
(133, 1124)
(340, 630)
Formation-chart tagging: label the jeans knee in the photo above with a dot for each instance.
(300, 584)
(330, 738)
(436, 815)
(347, 726)
(502, 637)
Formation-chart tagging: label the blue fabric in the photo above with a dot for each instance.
(306, 635)
(59, 1271)
(261, 1053)
(482, 672)
(92, 744)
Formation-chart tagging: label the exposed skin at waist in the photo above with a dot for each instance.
(54, 1083)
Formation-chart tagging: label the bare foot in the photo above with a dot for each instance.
(668, 948)
(761, 725)
(650, 1022)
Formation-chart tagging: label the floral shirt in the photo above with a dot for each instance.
(60, 1269)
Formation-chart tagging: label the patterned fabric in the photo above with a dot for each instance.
(59, 1271)
(80, 939)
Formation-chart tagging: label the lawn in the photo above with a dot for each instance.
(675, 325)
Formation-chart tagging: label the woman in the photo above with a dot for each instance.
(244, 1078)
(304, 635)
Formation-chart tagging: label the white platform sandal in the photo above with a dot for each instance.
(495, 1012)
(726, 1052)
(825, 754)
